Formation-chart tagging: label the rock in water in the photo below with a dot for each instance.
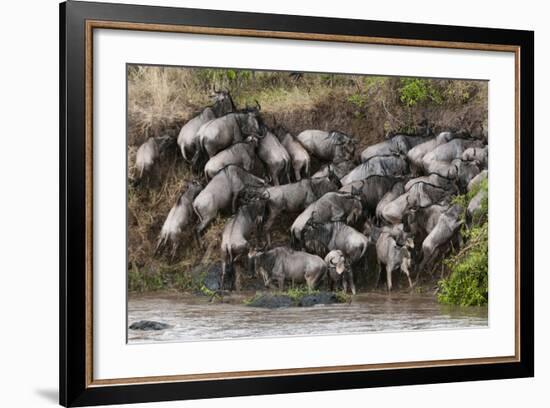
(271, 301)
(149, 325)
(323, 298)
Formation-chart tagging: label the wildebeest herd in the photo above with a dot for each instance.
(395, 197)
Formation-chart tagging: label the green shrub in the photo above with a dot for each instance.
(415, 90)
(467, 284)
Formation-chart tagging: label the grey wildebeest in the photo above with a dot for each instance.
(217, 134)
(397, 189)
(477, 180)
(393, 256)
(445, 231)
(474, 212)
(295, 197)
(179, 219)
(340, 169)
(241, 154)
(398, 144)
(331, 146)
(280, 264)
(222, 193)
(390, 165)
(147, 156)
(187, 138)
(338, 272)
(447, 152)
(417, 153)
(298, 155)
(236, 238)
(321, 238)
(420, 194)
(479, 155)
(332, 206)
(275, 157)
(372, 189)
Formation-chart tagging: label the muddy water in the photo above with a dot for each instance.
(194, 318)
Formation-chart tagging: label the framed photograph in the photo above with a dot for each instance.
(257, 204)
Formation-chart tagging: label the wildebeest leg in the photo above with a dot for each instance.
(273, 214)
(297, 174)
(388, 277)
(281, 282)
(351, 281)
(345, 283)
(222, 275)
(238, 276)
(378, 269)
(175, 246)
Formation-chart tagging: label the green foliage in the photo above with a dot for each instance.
(298, 292)
(358, 100)
(342, 296)
(467, 284)
(415, 90)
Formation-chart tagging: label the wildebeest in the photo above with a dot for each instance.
(479, 155)
(390, 165)
(217, 134)
(477, 180)
(396, 190)
(417, 153)
(241, 154)
(341, 169)
(298, 155)
(187, 138)
(222, 193)
(236, 238)
(338, 272)
(446, 229)
(332, 206)
(179, 219)
(295, 197)
(372, 189)
(474, 212)
(447, 152)
(393, 256)
(331, 146)
(398, 144)
(280, 264)
(321, 238)
(420, 194)
(275, 157)
(146, 158)
(465, 172)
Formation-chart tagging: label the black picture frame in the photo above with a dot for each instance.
(74, 390)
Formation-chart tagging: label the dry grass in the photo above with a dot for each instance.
(162, 99)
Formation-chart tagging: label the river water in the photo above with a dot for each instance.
(194, 318)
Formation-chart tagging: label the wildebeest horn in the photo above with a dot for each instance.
(258, 104)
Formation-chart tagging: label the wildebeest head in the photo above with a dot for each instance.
(345, 144)
(465, 171)
(222, 103)
(316, 235)
(336, 261)
(193, 189)
(322, 185)
(253, 140)
(258, 264)
(333, 178)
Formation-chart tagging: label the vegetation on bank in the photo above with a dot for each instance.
(162, 99)
(468, 280)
